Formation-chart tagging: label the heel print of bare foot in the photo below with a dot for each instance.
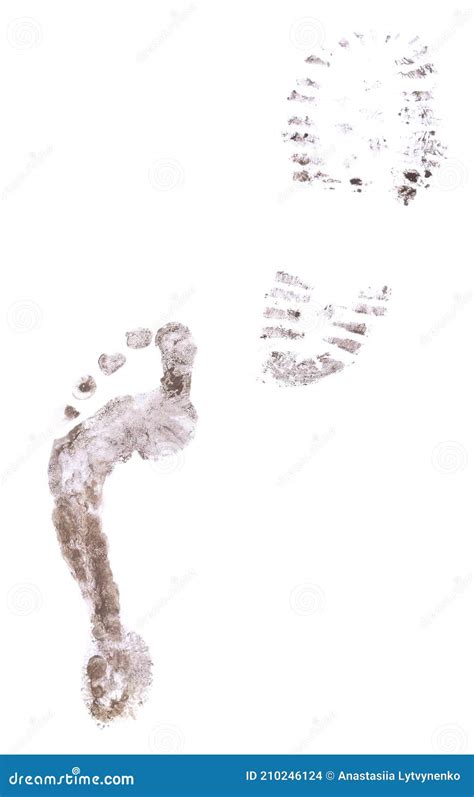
(314, 340)
(118, 670)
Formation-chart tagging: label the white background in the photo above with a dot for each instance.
(375, 520)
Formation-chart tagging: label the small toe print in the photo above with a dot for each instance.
(139, 338)
(96, 668)
(84, 388)
(109, 363)
(70, 412)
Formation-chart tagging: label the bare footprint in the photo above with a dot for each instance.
(118, 671)
(363, 114)
(333, 333)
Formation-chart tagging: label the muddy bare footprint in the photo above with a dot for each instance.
(304, 340)
(118, 671)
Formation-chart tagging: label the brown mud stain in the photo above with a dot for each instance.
(118, 672)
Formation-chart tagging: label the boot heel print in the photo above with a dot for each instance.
(333, 332)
